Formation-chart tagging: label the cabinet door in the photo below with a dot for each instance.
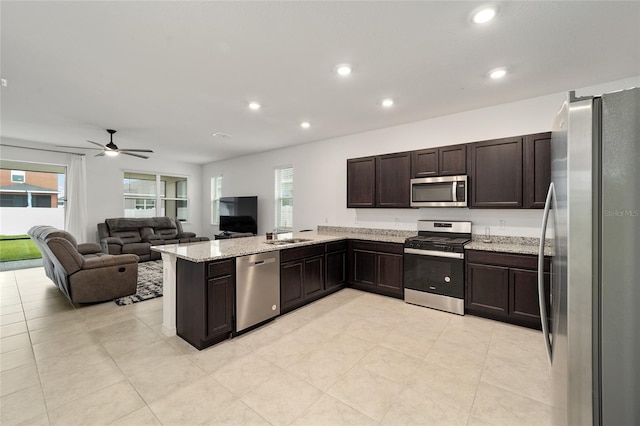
(393, 179)
(487, 288)
(336, 269)
(537, 169)
(361, 182)
(291, 283)
(424, 163)
(389, 272)
(364, 265)
(313, 276)
(452, 160)
(523, 295)
(220, 297)
(496, 173)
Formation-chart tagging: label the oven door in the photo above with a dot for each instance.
(434, 272)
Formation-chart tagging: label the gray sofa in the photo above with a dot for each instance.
(82, 271)
(136, 235)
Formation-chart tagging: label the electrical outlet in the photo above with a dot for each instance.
(501, 226)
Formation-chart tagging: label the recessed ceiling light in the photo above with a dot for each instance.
(305, 125)
(343, 69)
(387, 103)
(497, 73)
(484, 14)
(254, 105)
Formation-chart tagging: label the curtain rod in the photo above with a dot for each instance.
(42, 149)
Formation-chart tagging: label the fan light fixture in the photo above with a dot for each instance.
(111, 153)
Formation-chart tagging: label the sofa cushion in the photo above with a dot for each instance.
(136, 223)
(167, 233)
(136, 248)
(128, 237)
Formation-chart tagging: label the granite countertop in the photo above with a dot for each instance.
(502, 244)
(205, 251)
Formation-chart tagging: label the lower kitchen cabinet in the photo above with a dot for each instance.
(302, 276)
(205, 294)
(376, 267)
(335, 264)
(504, 287)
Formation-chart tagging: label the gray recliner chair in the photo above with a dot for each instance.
(81, 271)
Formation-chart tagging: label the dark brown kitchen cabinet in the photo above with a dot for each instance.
(504, 287)
(393, 176)
(361, 182)
(442, 161)
(495, 173)
(376, 267)
(301, 276)
(381, 181)
(336, 264)
(537, 169)
(205, 294)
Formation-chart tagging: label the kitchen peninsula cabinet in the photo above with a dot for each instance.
(495, 173)
(537, 169)
(442, 161)
(204, 301)
(301, 276)
(380, 181)
(504, 287)
(376, 267)
(336, 264)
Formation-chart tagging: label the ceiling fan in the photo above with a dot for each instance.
(111, 149)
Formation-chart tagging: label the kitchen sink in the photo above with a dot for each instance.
(287, 241)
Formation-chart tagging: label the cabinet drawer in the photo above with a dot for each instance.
(220, 268)
(300, 252)
(378, 247)
(523, 261)
(336, 246)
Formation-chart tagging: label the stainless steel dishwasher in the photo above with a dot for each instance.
(257, 289)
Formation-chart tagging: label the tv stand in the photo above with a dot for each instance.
(225, 235)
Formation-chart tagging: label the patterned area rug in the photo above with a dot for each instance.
(149, 283)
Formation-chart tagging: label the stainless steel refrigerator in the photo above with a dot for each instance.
(593, 216)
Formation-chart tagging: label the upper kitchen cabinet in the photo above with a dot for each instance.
(495, 172)
(537, 169)
(393, 177)
(361, 182)
(442, 161)
(381, 181)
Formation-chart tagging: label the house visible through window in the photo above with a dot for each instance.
(216, 193)
(149, 195)
(17, 176)
(284, 198)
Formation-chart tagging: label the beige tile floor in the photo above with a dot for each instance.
(352, 358)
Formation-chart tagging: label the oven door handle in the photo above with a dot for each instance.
(434, 253)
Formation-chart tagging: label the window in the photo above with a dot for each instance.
(17, 176)
(149, 195)
(284, 198)
(216, 193)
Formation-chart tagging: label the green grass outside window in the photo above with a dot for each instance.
(17, 247)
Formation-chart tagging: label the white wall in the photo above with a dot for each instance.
(104, 181)
(320, 168)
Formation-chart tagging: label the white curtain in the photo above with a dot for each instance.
(76, 206)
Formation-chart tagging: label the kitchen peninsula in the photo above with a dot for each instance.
(213, 253)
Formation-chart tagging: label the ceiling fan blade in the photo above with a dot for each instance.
(133, 155)
(100, 154)
(96, 143)
(134, 150)
(77, 147)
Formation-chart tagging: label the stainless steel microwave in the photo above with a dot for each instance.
(443, 191)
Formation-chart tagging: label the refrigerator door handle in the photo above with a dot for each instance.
(541, 298)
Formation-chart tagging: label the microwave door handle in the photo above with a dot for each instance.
(454, 191)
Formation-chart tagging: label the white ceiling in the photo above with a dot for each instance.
(167, 75)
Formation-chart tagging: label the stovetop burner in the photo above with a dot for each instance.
(441, 236)
(440, 240)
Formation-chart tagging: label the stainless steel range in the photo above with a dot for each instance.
(434, 265)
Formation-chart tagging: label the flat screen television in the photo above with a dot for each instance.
(239, 214)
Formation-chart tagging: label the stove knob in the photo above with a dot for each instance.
(447, 279)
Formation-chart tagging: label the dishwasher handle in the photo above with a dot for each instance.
(262, 262)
